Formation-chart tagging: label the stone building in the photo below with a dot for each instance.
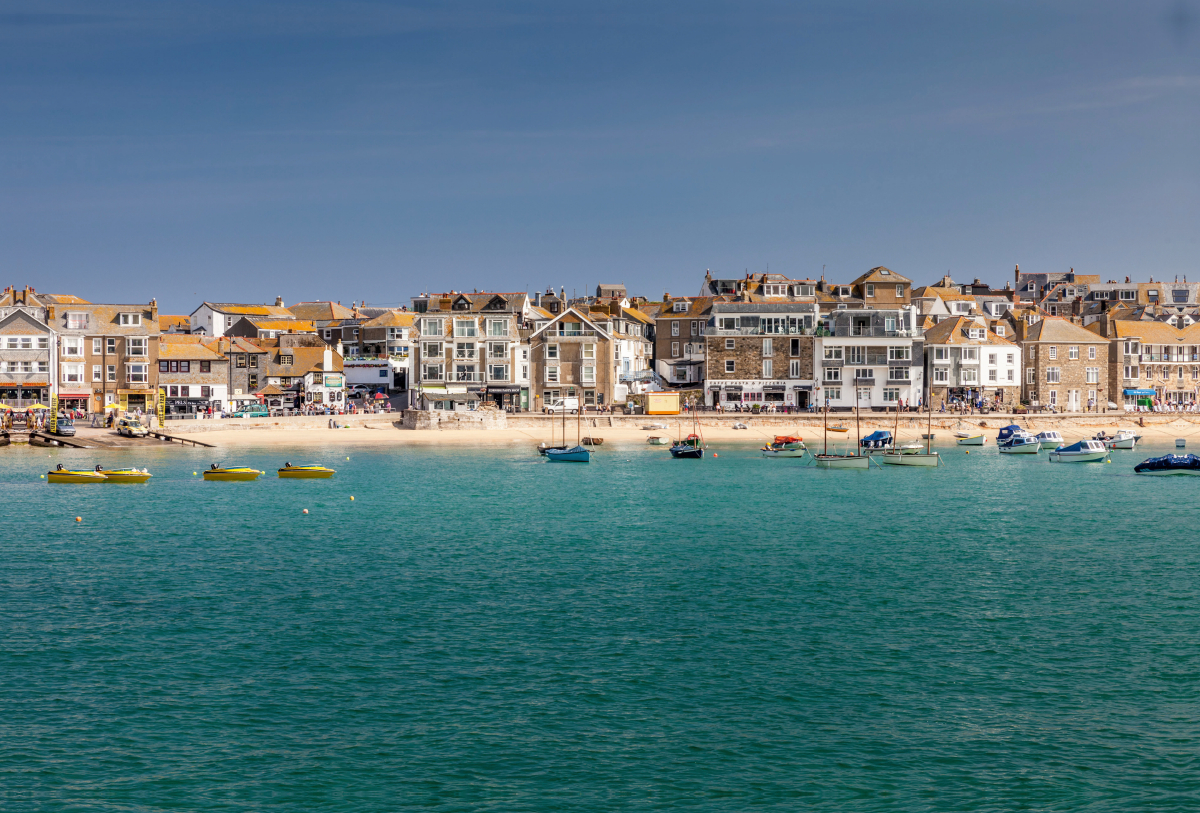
(572, 357)
(679, 339)
(1066, 366)
(192, 376)
(760, 353)
(107, 354)
(965, 360)
(1152, 359)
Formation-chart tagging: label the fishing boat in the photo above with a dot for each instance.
(1170, 464)
(542, 448)
(216, 472)
(1022, 443)
(908, 456)
(1084, 451)
(658, 440)
(784, 446)
(125, 475)
(969, 439)
(912, 447)
(1050, 438)
(291, 472)
(577, 453)
(1124, 439)
(593, 441)
(877, 442)
(691, 447)
(825, 460)
(1008, 431)
(62, 475)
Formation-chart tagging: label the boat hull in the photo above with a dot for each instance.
(75, 477)
(974, 440)
(126, 476)
(232, 475)
(1024, 448)
(782, 452)
(306, 473)
(825, 461)
(1126, 444)
(657, 441)
(576, 454)
(1077, 457)
(687, 452)
(912, 459)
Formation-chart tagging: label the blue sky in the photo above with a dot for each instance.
(361, 150)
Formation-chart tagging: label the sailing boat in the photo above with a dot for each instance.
(901, 457)
(576, 454)
(543, 448)
(691, 447)
(840, 461)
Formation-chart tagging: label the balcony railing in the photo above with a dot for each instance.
(570, 334)
(758, 331)
(880, 332)
(467, 377)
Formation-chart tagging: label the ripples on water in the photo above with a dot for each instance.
(480, 630)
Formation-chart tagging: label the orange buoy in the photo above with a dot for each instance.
(79, 519)
(306, 510)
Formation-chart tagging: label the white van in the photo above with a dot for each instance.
(570, 405)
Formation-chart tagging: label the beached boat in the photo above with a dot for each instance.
(658, 440)
(1023, 443)
(652, 427)
(125, 475)
(305, 472)
(969, 439)
(1124, 439)
(1084, 451)
(62, 475)
(216, 472)
(1050, 438)
(589, 441)
(1170, 464)
(839, 429)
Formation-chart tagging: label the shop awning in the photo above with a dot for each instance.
(733, 388)
(1148, 393)
(502, 389)
(774, 388)
(804, 387)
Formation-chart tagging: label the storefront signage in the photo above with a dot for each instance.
(333, 382)
(502, 389)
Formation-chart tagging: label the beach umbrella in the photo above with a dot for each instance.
(39, 406)
(112, 406)
(379, 396)
(5, 408)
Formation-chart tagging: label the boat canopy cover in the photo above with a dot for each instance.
(1170, 462)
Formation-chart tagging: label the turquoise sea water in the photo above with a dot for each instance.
(481, 630)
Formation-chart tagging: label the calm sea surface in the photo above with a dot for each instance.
(481, 630)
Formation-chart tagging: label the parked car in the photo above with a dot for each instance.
(65, 427)
(253, 411)
(570, 405)
(131, 428)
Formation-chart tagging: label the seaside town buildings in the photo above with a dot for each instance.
(1045, 340)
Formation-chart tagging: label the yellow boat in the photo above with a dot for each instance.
(125, 475)
(305, 472)
(61, 475)
(232, 473)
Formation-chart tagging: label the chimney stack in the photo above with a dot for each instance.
(279, 301)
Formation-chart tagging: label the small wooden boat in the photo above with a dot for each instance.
(929, 436)
(841, 461)
(1084, 451)
(1022, 443)
(838, 428)
(910, 454)
(912, 447)
(1124, 439)
(651, 427)
(305, 472)
(577, 454)
(690, 448)
(1180, 443)
(964, 439)
(658, 440)
(61, 475)
(592, 441)
(231, 473)
(1170, 464)
(125, 475)
(789, 442)
(785, 446)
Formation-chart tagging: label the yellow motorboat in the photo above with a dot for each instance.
(306, 472)
(231, 473)
(125, 475)
(61, 475)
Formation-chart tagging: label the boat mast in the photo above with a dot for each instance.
(896, 436)
(826, 452)
(929, 429)
(857, 430)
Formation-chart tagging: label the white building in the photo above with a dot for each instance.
(214, 319)
(872, 358)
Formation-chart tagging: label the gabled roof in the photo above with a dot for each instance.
(637, 316)
(572, 312)
(293, 325)
(697, 306)
(1154, 332)
(270, 389)
(478, 301)
(235, 309)
(945, 294)
(1057, 329)
(881, 274)
(234, 344)
(954, 331)
(321, 311)
(21, 323)
(184, 346)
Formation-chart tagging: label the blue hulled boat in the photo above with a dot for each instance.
(1170, 464)
(576, 454)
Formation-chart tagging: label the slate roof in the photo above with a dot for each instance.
(236, 309)
(321, 311)
(954, 331)
(479, 301)
(881, 274)
(183, 346)
(392, 319)
(1056, 329)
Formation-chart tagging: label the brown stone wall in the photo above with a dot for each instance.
(747, 355)
(1072, 373)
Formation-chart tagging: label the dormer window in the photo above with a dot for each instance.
(130, 319)
(77, 321)
(999, 330)
(680, 307)
(804, 290)
(975, 333)
(286, 361)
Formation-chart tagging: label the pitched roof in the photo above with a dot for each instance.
(294, 325)
(184, 346)
(697, 306)
(270, 389)
(945, 294)
(881, 274)
(1153, 332)
(392, 319)
(637, 316)
(250, 310)
(62, 299)
(954, 331)
(321, 311)
(166, 322)
(1057, 329)
(479, 301)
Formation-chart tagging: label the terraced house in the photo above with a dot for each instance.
(679, 339)
(760, 353)
(192, 376)
(966, 361)
(107, 354)
(869, 358)
(1149, 359)
(1066, 366)
(470, 350)
(572, 357)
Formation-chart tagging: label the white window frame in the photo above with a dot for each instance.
(729, 366)
(137, 373)
(130, 319)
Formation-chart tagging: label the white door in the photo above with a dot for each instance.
(1073, 400)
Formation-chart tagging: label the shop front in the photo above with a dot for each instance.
(24, 395)
(74, 399)
(1135, 398)
(764, 393)
(503, 395)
